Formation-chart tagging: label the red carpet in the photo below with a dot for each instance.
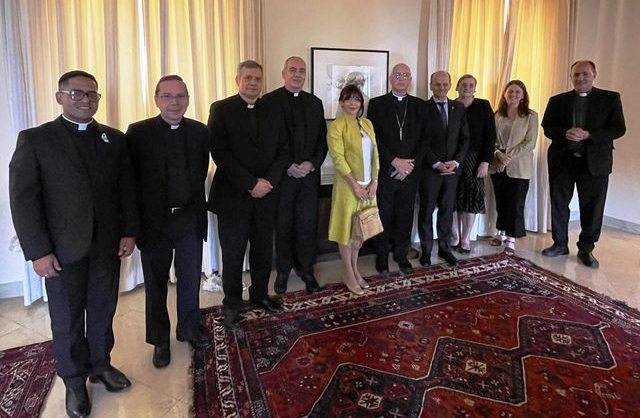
(26, 374)
(495, 337)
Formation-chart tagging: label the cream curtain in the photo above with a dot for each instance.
(128, 45)
(499, 40)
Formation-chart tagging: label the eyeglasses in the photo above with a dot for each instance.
(178, 97)
(77, 95)
(401, 76)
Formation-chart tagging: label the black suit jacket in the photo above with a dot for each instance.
(57, 205)
(314, 148)
(446, 144)
(604, 121)
(148, 156)
(382, 113)
(242, 158)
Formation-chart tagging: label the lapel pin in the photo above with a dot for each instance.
(104, 138)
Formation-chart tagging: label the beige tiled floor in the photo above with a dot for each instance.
(164, 393)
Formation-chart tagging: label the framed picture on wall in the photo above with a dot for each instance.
(333, 68)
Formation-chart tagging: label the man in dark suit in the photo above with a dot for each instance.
(400, 123)
(74, 211)
(248, 145)
(448, 143)
(582, 125)
(170, 155)
(297, 215)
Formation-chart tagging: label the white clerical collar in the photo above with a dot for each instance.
(81, 126)
(399, 98)
(175, 126)
(250, 105)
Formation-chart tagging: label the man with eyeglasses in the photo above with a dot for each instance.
(400, 123)
(248, 145)
(74, 210)
(170, 155)
(297, 215)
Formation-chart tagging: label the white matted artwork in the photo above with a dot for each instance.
(333, 68)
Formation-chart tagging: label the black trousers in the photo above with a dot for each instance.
(592, 195)
(396, 203)
(511, 195)
(82, 303)
(180, 236)
(297, 224)
(250, 221)
(436, 190)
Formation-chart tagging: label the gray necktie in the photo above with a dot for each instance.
(443, 113)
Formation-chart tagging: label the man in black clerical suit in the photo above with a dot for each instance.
(74, 210)
(170, 155)
(249, 147)
(400, 123)
(582, 125)
(448, 143)
(297, 215)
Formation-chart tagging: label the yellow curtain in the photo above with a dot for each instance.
(501, 40)
(476, 44)
(129, 44)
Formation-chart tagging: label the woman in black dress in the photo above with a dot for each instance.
(475, 167)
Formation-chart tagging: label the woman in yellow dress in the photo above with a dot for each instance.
(353, 148)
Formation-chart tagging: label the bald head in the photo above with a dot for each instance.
(400, 79)
(294, 74)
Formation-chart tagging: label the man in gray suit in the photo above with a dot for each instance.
(73, 207)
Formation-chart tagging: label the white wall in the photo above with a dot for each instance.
(294, 27)
(608, 34)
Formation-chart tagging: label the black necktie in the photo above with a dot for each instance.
(443, 113)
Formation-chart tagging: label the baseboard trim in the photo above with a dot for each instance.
(622, 225)
(11, 290)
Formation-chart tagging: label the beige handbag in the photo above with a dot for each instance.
(366, 223)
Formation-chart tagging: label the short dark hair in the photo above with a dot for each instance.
(591, 63)
(349, 91)
(249, 64)
(170, 77)
(62, 81)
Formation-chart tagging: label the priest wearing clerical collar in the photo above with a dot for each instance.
(582, 125)
(249, 148)
(170, 155)
(74, 210)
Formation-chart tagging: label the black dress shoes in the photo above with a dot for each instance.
(232, 319)
(405, 266)
(555, 250)
(587, 258)
(161, 356)
(112, 379)
(310, 283)
(269, 305)
(197, 340)
(448, 257)
(77, 402)
(382, 263)
(280, 285)
(425, 258)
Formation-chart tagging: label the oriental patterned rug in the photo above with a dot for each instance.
(26, 374)
(496, 336)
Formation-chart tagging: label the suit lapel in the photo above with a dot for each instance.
(62, 136)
